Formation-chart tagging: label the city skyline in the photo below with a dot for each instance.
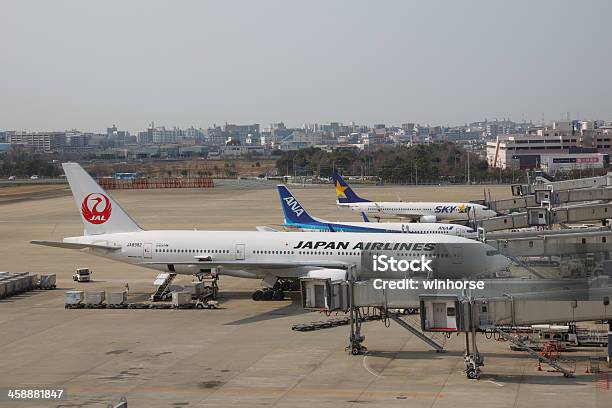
(87, 66)
(563, 117)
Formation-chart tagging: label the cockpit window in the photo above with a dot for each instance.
(492, 252)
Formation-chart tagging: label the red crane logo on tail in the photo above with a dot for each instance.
(96, 208)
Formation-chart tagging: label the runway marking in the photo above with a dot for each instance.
(374, 373)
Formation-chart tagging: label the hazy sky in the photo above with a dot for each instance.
(87, 65)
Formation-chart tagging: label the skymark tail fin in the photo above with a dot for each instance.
(99, 212)
(293, 211)
(344, 193)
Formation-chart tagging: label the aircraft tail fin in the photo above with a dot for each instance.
(293, 211)
(344, 192)
(99, 212)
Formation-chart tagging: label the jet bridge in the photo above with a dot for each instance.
(495, 315)
(552, 243)
(546, 217)
(555, 193)
(500, 304)
(515, 203)
(589, 182)
(571, 196)
(551, 197)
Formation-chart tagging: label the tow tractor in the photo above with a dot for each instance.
(82, 275)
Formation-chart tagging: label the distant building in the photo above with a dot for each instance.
(43, 142)
(77, 141)
(216, 136)
(160, 135)
(242, 133)
(229, 152)
(552, 163)
(4, 148)
(559, 138)
(197, 135)
(119, 137)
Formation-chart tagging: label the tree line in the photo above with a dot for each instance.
(21, 164)
(441, 162)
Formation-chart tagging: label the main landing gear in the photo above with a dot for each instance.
(268, 294)
(276, 292)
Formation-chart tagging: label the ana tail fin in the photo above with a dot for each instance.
(344, 192)
(292, 209)
(99, 212)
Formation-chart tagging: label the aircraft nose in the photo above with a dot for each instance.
(500, 263)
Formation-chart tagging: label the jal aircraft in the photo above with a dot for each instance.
(296, 216)
(274, 257)
(415, 211)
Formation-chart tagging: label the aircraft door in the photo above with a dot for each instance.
(457, 256)
(319, 292)
(239, 252)
(439, 315)
(147, 250)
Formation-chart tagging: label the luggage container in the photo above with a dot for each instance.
(47, 281)
(181, 299)
(73, 297)
(2, 289)
(26, 283)
(94, 297)
(33, 281)
(116, 298)
(10, 287)
(18, 285)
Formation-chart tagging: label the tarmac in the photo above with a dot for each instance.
(244, 354)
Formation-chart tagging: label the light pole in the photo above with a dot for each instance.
(468, 167)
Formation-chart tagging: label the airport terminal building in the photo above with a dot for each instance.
(562, 146)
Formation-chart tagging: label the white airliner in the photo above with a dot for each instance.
(274, 257)
(296, 216)
(415, 211)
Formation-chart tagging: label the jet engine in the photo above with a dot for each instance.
(428, 218)
(332, 274)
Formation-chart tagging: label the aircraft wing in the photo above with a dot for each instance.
(238, 264)
(72, 245)
(411, 217)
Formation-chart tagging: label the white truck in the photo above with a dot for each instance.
(82, 275)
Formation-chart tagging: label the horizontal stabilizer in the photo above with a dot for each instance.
(263, 228)
(72, 245)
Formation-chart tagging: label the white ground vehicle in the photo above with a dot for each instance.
(82, 275)
(34, 177)
(11, 178)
